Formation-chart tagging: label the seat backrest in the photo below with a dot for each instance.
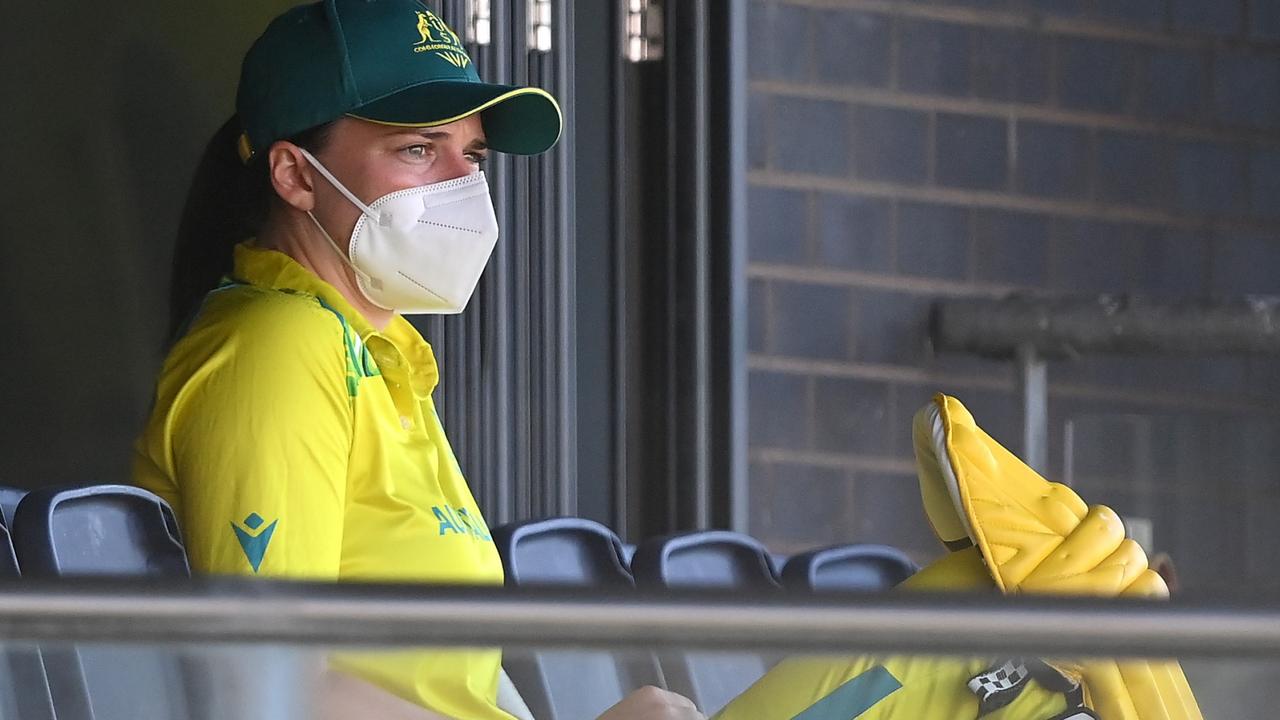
(24, 688)
(570, 552)
(99, 530)
(562, 552)
(710, 559)
(715, 559)
(848, 567)
(106, 530)
(9, 499)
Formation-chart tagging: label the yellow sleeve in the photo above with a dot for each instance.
(258, 432)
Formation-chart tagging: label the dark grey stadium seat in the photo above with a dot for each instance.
(106, 530)
(560, 552)
(24, 689)
(570, 552)
(848, 567)
(714, 559)
(9, 498)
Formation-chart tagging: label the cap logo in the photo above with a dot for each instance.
(438, 38)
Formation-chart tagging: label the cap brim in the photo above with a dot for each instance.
(517, 120)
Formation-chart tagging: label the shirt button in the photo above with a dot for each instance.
(405, 422)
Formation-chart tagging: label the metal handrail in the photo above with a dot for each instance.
(251, 611)
(1071, 326)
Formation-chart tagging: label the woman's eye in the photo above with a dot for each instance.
(417, 152)
(477, 159)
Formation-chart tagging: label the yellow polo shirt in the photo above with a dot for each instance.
(295, 440)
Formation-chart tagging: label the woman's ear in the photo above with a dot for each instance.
(291, 176)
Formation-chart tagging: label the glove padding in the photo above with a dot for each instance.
(1036, 536)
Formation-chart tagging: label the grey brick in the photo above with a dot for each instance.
(760, 485)
(892, 328)
(1264, 20)
(1194, 374)
(973, 152)
(1053, 160)
(1011, 247)
(985, 4)
(851, 48)
(1104, 370)
(1264, 182)
(1207, 536)
(777, 225)
(1171, 264)
(812, 321)
(1093, 257)
(777, 406)
(1220, 17)
(1246, 265)
(1247, 448)
(1246, 89)
(997, 413)
(1010, 65)
(933, 240)
(933, 58)
(1000, 415)
(854, 232)
(1211, 177)
(782, 52)
(1132, 169)
(1106, 448)
(849, 415)
(1138, 13)
(757, 130)
(1262, 531)
(1264, 378)
(890, 145)
(1173, 85)
(907, 401)
(1065, 8)
(1225, 375)
(889, 512)
(757, 316)
(812, 506)
(811, 136)
(1095, 74)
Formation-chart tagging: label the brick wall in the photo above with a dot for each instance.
(905, 151)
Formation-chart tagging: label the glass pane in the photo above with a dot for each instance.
(1200, 488)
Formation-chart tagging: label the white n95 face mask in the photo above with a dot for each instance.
(422, 249)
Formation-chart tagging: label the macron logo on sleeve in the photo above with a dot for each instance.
(254, 538)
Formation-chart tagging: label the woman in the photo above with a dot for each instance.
(293, 430)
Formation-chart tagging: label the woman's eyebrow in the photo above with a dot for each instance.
(425, 133)
(433, 134)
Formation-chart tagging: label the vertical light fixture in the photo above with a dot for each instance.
(478, 18)
(643, 39)
(540, 25)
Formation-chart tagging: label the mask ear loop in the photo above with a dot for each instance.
(373, 282)
(373, 214)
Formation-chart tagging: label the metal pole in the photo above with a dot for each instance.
(383, 616)
(1034, 385)
(1073, 326)
(735, 430)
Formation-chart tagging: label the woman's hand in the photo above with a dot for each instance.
(651, 703)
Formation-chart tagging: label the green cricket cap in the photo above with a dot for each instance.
(393, 62)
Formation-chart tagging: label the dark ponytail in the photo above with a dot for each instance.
(227, 203)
